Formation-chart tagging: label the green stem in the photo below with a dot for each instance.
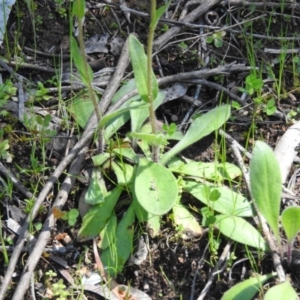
(155, 149)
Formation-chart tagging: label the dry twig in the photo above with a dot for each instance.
(86, 138)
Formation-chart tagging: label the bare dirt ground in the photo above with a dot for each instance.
(246, 32)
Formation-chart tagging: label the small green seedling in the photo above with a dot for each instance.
(49, 275)
(40, 126)
(36, 168)
(42, 93)
(29, 203)
(183, 45)
(4, 251)
(216, 38)
(59, 289)
(7, 90)
(70, 216)
(4, 146)
(270, 107)
(253, 84)
(59, 7)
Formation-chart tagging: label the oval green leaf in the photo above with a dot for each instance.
(283, 290)
(186, 222)
(123, 171)
(209, 171)
(229, 202)
(97, 217)
(265, 182)
(80, 63)
(247, 289)
(155, 187)
(115, 257)
(96, 191)
(108, 233)
(140, 67)
(240, 231)
(290, 220)
(139, 115)
(201, 127)
(81, 109)
(152, 222)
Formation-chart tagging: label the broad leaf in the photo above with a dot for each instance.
(108, 233)
(115, 257)
(107, 118)
(145, 147)
(127, 153)
(159, 12)
(126, 88)
(151, 222)
(96, 191)
(153, 225)
(169, 134)
(185, 222)
(140, 67)
(265, 182)
(282, 290)
(81, 109)
(201, 127)
(155, 187)
(139, 115)
(117, 122)
(208, 171)
(100, 159)
(241, 231)
(247, 289)
(124, 173)
(229, 202)
(151, 139)
(118, 118)
(78, 8)
(97, 217)
(290, 220)
(79, 62)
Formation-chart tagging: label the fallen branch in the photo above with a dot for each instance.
(193, 15)
(220, 266)
(85, 140)
(44, 236)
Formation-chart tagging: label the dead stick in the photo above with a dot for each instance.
(44, 236)
(86, 138)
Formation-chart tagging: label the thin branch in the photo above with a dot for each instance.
(220, 265)
(48, 225)
(193, 15)
(16, 182)
(85, 140)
